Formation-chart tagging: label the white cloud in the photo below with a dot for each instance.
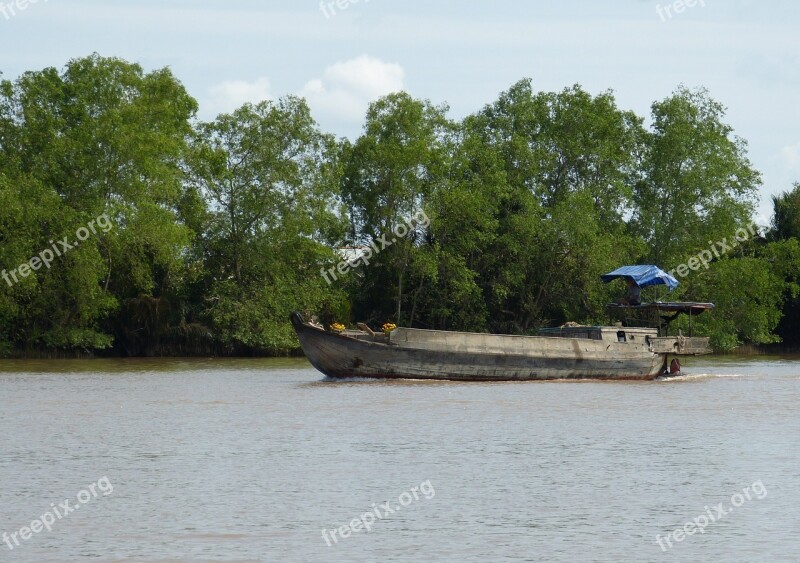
(345, 89)
(232, 94)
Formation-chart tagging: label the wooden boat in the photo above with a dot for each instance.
(568, 352)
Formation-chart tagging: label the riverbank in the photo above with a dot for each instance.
(745, 350)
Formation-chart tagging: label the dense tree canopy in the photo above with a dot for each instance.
(100, 138)
(696, 184)
(187, 237)
(786, 219)
(268, 177)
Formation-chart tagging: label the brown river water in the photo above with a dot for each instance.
(265, 460)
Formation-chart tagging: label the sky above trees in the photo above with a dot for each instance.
(464, 54)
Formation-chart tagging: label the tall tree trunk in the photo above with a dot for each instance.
(399, 296)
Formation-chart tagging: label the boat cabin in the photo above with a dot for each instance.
(604, 333)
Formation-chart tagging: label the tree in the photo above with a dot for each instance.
(389, 174)
(697, 185)
(748, 295)
(553, 171)
(785, 257)
(786, 215)
(218, 230)
(270, 179)
(101, 138)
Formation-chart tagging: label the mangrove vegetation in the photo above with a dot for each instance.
(128, 226)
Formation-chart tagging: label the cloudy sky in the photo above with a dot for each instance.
(341, 54)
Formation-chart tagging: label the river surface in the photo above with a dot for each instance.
(264, 460)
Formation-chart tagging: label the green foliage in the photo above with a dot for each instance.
(748, 299)
(102, 137)
(389, 175)
(57, 307)
(697, 185)
(534, 205)
(786, 220)
(269, 177)
(219, 230)
(783, 257)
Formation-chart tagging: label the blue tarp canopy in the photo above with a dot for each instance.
(642, 276)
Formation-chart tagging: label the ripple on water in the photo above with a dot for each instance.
(251, 460)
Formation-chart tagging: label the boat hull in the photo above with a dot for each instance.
(475, 357)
